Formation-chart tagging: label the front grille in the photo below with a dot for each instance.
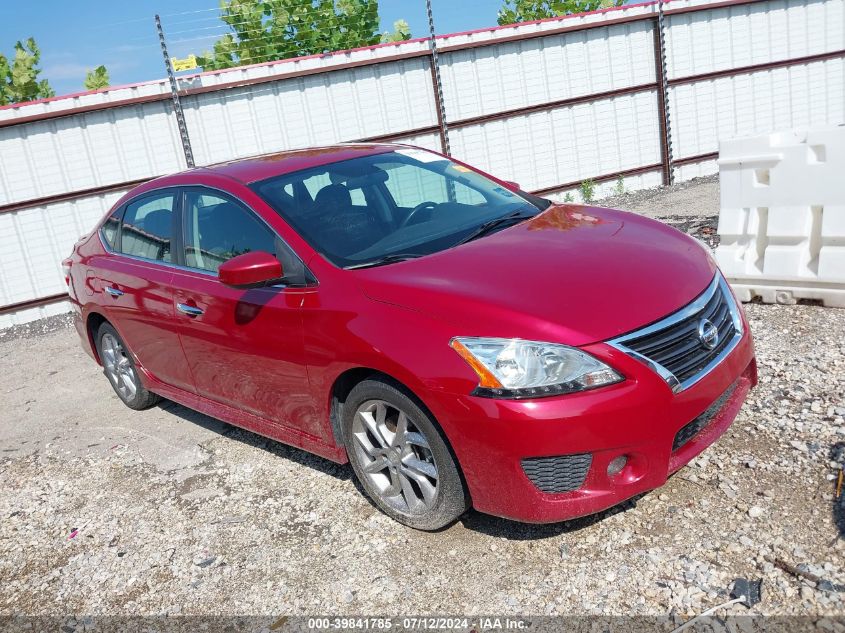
(689, 431)
(563, 473)
(675, 345)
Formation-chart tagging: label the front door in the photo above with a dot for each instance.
(244, 347)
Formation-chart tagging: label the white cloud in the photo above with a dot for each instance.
(65, 71)
(75, 70)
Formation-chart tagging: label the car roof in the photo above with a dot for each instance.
(248, 170)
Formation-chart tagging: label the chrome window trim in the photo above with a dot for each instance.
(181, 190)
(158, 262)
(147, 260)
(719, 284)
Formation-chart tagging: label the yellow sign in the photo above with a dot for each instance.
(189, 63)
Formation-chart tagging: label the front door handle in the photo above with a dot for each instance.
(184, 308)
(114, 292)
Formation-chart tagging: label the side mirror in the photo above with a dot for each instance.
(513, 186)
(250, 270)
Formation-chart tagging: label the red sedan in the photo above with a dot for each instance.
(459, 341)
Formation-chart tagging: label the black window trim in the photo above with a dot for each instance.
(117, 213)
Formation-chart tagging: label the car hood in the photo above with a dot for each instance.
(572, 274)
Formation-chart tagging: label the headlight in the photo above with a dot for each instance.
(513, 368)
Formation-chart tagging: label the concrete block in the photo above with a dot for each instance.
(782, 218)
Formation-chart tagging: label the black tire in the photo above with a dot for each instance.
(409, 459)
(138, 398)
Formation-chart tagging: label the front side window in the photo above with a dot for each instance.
(406, 202)
(147, 228)
(218, 229)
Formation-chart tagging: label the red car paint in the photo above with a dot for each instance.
(267, 359)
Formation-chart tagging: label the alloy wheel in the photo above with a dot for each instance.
(118, 367)
(395, 457)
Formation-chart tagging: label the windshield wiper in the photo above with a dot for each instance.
(387, 259)
(490, 226)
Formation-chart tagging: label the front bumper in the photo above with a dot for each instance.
(638, 418)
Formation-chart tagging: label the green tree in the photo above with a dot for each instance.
(19, 79)
(97, 78)
(401, 32)
(514, 11)
(267, 30)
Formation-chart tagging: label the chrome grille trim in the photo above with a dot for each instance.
(685, 318)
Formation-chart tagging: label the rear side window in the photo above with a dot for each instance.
(148, 227)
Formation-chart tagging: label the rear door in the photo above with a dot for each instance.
(244, 347)
(135, 281)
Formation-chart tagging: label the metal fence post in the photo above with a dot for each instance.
(437, 84)
(663, 96)
(174, 93)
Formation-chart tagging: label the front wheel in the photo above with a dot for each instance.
(120, 370)
(400, 457)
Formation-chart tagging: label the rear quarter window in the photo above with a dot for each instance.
(110, 228)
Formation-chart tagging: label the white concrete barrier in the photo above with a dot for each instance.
(782, 216)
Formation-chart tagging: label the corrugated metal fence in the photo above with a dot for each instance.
(548, 105)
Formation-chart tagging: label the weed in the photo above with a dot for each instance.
(588, 189)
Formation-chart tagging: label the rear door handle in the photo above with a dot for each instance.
(114, 292)
(184, 308)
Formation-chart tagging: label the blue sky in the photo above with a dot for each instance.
(76, 35)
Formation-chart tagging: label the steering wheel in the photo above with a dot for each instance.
(422, 205)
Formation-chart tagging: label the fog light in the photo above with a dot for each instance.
(616, 465)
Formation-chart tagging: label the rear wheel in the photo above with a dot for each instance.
(120, 370)
(401, 458)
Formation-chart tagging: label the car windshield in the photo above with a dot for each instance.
(387, 207)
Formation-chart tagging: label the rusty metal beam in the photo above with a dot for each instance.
(551, 105)
(33, 303)
(739, 70)
(634, 171)
(70, 195)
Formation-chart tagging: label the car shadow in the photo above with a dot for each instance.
(471, 520)
(254, 440)
(516, 531)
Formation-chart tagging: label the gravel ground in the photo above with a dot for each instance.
(110, 511)
(691, 206)
(36, 328)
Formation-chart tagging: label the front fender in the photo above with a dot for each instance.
(404, 344)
